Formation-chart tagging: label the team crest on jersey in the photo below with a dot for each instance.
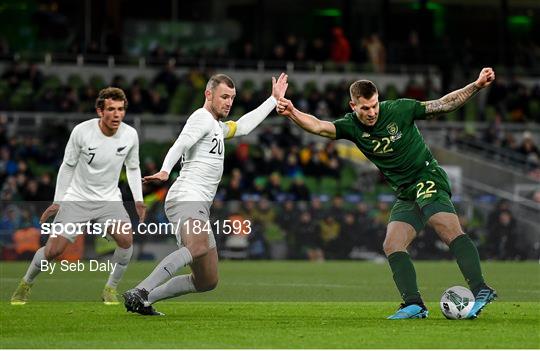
(392, 128)
(395, 134)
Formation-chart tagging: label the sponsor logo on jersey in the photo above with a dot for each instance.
(91, 148)
(395, 137)
(119, 150)
(365, 135)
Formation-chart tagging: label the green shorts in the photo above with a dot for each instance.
(420, 200)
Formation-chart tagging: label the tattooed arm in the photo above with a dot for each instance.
(458, 98)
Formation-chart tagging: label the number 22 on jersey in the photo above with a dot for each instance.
(384, 143)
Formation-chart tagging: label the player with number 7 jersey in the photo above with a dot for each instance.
(87, 191)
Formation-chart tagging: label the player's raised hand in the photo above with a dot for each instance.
(140, 207)
(279, 86)
(284, 107)
(161, 176)
(50, 211)
(486, 76)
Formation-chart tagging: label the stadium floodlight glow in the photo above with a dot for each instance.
(520, 21)
(329, 12)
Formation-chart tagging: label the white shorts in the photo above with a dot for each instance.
(90, 211)
(179, 211)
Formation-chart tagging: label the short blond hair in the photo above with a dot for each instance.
(217, 79)
(362, 88)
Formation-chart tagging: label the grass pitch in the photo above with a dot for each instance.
(273, 305)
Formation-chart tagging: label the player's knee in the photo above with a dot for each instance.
(207, 285)
(447, 233)
(198, 249)
(390, 246)
(52, 252)
(125, 243)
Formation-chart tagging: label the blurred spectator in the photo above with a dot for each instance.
(415, 90)
(494, 134)
(316, 210)
(69, 100)
(381, 214)
(510, 142)
(35, 76)
(536, 196)
(291, 48)
(501, 239)
(340, 51)
(308, 242)
(273, 189)
(376, 52)
(248, 52)
(158, 104)
(529, 149)
(278, 53)
(299, 190)
(413, 50)
(233, 191)
(167, 77)
(292, 166)
(317, 50)
(330, 230)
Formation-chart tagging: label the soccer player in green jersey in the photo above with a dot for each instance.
(386, 133)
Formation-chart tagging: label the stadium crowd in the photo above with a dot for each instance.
(300, 203)
(25, 88)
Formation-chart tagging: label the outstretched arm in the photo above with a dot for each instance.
(306, 121)
(195, 128)
(458, 98)
(252, 119)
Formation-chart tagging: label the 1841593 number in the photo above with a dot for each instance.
(224, 227)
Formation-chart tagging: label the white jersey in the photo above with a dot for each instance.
(202, 165)
(98, 161)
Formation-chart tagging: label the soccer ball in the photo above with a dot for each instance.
(457, 302)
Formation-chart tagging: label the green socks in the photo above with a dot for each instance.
(466, 256)
(468, 260)
(404, 276)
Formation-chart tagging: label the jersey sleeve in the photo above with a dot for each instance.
(197, 126)
(413, 109)
(343, 128)
(73, 148)
(132, 159)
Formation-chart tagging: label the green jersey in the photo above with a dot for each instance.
(394, 144)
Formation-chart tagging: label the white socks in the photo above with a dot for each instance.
(121, 258)
(166, 269)
(176, 286)
(35, 266)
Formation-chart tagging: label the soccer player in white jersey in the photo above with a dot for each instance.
(87, 190)
(190, 197)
